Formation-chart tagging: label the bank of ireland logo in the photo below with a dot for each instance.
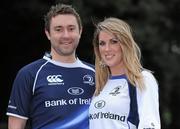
(100, 104)
(88, 79)
(75, 91)
(55, 80)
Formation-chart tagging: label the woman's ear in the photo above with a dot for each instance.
(80, 32)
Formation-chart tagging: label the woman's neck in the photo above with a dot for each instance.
(117, 70)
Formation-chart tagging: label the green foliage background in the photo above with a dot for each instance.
(156, 27)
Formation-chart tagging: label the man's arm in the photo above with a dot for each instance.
(16, 123)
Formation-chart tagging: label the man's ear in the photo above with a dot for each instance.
(47, 33)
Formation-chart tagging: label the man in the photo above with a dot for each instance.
(54, 92)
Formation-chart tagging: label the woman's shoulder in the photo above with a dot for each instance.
(149, 79)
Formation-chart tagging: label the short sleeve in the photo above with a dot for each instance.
(20, 97)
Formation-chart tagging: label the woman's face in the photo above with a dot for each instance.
(110, 50)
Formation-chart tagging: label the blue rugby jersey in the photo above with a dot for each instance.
(53, 95)
(123, 106)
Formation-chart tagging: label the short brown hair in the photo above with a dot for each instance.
(61, 9)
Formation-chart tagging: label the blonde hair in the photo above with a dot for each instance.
(131, 53)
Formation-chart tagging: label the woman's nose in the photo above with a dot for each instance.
(107, 46)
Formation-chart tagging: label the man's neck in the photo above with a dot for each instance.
(64, 59)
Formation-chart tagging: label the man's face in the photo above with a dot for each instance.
(64, 34)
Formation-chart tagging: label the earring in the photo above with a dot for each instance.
(102, 64)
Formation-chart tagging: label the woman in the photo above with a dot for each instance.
(126, 95)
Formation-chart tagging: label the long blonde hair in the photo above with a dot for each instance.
(131, 53)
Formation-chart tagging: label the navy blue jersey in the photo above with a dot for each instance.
(53, 95)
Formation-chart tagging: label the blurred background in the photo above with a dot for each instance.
(156, 28)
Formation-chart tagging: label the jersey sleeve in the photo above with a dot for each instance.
(148, 103)
(20, 97)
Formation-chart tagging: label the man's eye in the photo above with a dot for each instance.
(58, 29)
(72, 28)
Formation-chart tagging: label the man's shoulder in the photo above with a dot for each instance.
(33, 66)
(87, 65)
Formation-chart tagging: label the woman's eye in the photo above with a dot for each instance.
(101, 43)
(114, 41)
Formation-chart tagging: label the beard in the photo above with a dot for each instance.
(65, 51)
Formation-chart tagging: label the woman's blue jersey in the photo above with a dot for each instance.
(120, 105)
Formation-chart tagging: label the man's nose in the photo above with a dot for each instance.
(65, 33)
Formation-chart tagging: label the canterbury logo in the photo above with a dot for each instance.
(54, 78)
